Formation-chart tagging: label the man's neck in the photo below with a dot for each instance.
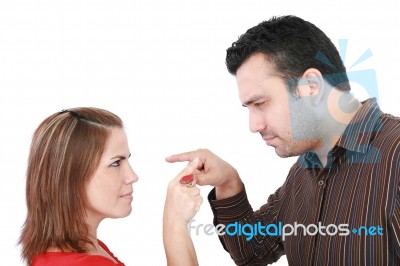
(323, 150)
(338, 121)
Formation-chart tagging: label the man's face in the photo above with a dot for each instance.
(284, 122)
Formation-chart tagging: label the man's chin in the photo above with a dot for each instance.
(284, 153)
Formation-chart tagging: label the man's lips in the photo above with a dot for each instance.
(268, 139)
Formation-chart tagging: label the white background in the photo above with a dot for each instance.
(159, 65)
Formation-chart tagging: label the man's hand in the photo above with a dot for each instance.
(213, 171)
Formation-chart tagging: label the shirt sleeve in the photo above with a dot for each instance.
(247, 246)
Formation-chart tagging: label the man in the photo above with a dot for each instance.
(294, 84)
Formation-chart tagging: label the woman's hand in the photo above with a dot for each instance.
(181, 204)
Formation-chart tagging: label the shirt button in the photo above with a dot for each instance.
(320, 182)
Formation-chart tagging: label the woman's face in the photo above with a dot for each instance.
(109, 191)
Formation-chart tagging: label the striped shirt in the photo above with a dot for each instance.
(354, 202)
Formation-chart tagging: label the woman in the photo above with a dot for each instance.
(78, 174)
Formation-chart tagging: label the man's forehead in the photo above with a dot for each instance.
(258, 87)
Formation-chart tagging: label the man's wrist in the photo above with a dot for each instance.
(229, 189)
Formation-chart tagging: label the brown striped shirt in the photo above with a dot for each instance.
(358, 187)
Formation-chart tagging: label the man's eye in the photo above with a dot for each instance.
(258, 104)
(116, 163)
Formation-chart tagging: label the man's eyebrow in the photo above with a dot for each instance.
(252, 100)
(121, 157)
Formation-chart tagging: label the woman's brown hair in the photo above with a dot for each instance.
(65, 152)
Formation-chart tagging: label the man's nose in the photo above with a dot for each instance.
(257, 122)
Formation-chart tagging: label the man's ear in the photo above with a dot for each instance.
(312, 85)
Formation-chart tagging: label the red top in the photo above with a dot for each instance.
(75, 259)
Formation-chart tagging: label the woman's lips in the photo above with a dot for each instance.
(127, 195)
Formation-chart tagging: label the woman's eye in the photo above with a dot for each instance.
(115, 164)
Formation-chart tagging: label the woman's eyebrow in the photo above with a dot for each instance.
(121, 157)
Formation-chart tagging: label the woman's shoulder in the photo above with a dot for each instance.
(71, 259)
(109, 252)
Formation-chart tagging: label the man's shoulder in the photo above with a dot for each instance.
(385, 142)
(388, 132)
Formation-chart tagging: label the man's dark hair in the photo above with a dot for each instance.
(293, 45)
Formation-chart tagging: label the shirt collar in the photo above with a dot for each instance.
(358, 134)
